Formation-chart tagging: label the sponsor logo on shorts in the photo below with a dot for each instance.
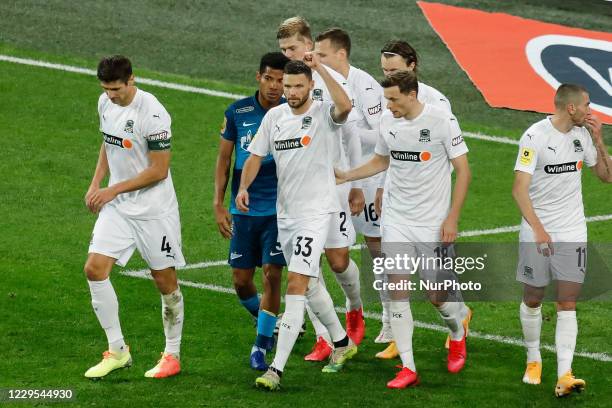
(577, 146)
(569, 167)
(528, 272)
(117, 141)
(245, 109)
(317, 94)
(235, 255)
(410, 156)
(425, 137)
(289, 144)
(375, 109)
(457, 140)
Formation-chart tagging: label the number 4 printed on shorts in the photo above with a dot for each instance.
(165, 246)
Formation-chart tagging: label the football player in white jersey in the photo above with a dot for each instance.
(334, 48)
(417, 141)
(398, 55)
(300, 136)
(295, 40)
(137, 210)
(553, 235)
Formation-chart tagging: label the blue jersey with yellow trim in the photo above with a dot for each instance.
(242, 119)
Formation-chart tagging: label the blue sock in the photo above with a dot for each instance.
(251, 304)
(266, 322)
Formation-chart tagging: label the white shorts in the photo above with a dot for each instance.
(368, 223)
(302, 241)
(415, 242)
(341, 232)
(567, 263)
(158, 241)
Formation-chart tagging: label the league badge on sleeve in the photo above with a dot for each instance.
(526, 156)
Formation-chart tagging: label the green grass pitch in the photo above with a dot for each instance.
(48, 123)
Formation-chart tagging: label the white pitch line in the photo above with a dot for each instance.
(145, 274)
(516, 228)
(147, 81)
(192, 89)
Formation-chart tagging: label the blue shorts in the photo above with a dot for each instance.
(254, 242)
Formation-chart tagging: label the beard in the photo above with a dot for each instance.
(296, 104)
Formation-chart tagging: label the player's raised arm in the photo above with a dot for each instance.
(463, 176)
(342, 103)
(99, 175)
(603, 168)
(222, 169)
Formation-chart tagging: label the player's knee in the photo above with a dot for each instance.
(241, 279)
(338, 264)
(94, 271)
(532, 303)
(272, 275)
(566, 306)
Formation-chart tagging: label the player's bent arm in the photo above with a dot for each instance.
(342, 103)
(520, 192)
(159, 165)
(603, 168)
(374, 166)
(249, 172)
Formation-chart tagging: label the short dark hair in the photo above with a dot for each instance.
(338, 38)
(273, 60)
(406, 81)
(568, 93)
(114, 68)
(297, 68)
(403, 49)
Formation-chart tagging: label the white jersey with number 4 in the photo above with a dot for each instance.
(555, 161)
(302, 149)
(418, 183)
(129, 134)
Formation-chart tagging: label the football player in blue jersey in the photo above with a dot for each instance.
(253, 235)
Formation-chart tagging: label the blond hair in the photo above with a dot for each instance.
(294, 26)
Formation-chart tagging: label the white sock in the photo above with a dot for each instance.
(322, 305)
(320, 330)
(531, 321)
(451, 313)
(173, 315)
(386, 318)
(290, 326)
(402, 326)
(565, 340)
(349, 281)
(106, 307)
(318, 327)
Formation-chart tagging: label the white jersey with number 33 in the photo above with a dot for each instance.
(302, 149)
